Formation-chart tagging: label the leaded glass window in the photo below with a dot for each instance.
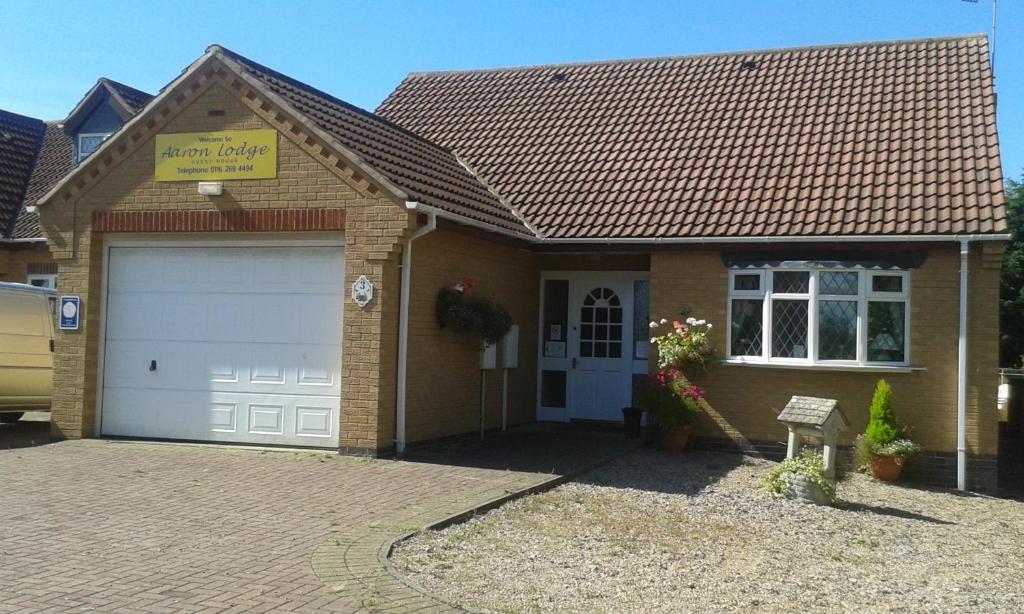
(88, 143)
(747, 327)
(819, 316)
(789, 329)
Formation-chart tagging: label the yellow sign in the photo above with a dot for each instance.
(214, 156)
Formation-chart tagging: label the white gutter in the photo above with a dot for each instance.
(468, 221)
(961, 373)
(28, 240)
(403, 328)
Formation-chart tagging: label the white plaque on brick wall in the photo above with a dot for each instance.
(362, 291)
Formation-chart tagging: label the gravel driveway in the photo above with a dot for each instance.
(659, 533)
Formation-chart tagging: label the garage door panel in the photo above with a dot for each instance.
(225, 417)
(239, 359)
(267, 368)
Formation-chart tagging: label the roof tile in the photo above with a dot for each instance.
(817, 141)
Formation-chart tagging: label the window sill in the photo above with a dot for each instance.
(823, 367)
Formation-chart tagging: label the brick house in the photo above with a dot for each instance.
(34, 155)
(837, 212)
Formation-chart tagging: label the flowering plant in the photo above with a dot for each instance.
(684, 346)
(471, 316)
(671, 400)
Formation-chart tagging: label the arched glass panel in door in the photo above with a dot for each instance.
(601, 325)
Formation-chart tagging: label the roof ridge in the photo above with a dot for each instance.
(694, 56)
(501, 199)
(319, 92)
(118, 84)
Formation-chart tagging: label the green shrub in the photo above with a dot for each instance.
(809, 465)
(882, 425)
(884, 435)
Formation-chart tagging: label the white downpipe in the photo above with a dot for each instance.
(403, 331)
(961, 374)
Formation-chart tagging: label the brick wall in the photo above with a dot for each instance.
(308, 178)
(745, 400)
(444, 374)
(15, 261)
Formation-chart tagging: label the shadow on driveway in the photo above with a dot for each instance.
(32, 430)
(552, 448)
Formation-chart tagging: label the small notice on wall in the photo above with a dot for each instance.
(215, 156)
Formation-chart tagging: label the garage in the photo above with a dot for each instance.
(236, 342)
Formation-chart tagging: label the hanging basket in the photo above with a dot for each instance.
(472, 316)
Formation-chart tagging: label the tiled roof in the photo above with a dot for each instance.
(427, 172)
(53, 162)
(54, 159)
(884, 138)
(20, 139)
(136, 99)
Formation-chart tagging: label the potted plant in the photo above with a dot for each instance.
(471, 316)
(802, 479)
(884, 448)
(672, 402)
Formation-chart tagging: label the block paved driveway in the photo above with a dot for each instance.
(128, 526)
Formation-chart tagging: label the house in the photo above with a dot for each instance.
(258, 261)
(34, 155)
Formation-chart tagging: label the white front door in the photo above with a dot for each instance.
(600, 348)
(233, 343)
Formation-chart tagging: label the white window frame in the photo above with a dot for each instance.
(864, 295)
(88, 134)
(49, 278)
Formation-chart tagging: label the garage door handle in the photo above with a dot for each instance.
(152, 365)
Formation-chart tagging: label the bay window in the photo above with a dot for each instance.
(819, 316)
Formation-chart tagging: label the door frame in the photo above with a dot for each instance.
(575, 278)
(212, 239)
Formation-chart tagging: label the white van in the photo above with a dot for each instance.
(26, 349)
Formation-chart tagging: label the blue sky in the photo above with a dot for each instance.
(54, 51)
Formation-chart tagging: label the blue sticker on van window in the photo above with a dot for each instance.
(69, 309)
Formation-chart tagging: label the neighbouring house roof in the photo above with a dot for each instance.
(52, 158)
(123, 99)
(429, 173)
(53, 162)
(887, 138)
(20, 140)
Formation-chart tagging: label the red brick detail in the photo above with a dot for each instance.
(263, 220)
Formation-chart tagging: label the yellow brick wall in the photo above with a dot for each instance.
(444, 374)
(596, 262)
(376, 226)
(14, 261)
(745, 400)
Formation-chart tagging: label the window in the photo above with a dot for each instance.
(90, 142)
(819, 316)
(43, 281)
(601, 325)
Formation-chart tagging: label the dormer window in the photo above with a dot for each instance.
(90, 142)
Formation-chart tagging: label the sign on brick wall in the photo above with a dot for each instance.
(206, 156)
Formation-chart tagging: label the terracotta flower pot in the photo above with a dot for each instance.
(675, 440)
(886, 467)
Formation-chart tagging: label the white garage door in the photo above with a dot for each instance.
(232, 344)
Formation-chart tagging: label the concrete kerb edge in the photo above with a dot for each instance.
(388, 547)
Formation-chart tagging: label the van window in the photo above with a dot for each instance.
(21, 315)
